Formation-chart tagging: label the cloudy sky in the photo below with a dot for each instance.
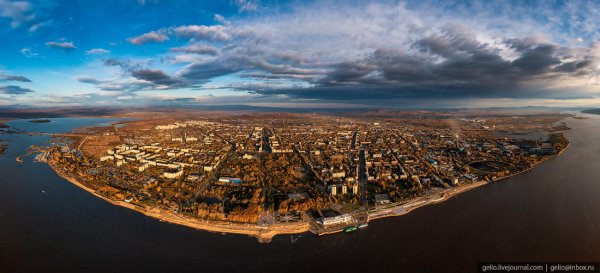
(415, 54)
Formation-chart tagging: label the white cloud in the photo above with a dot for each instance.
(247, 5)
(144, 2)
(97, 51)
(18, 12)
(64, 45)
(29, 53)
(150, 37)
(197, 49)
(220, 19)
(387, 48)
(201, 32)
(38, 26)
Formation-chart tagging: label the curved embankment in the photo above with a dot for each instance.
(264, 234)
(407, 207)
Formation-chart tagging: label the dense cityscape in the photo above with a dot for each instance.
(296, 172)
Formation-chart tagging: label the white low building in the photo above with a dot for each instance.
(173, 175)
(340, 219)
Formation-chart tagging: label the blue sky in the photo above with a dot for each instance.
(426, 54)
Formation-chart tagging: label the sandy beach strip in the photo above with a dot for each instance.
(262, 233)
(407, 207)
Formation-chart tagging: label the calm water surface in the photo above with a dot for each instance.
(549, 214)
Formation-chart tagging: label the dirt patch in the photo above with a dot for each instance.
(96, 146)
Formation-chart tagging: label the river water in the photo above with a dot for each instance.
(551, 213)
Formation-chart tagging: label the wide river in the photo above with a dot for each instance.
(551, 213)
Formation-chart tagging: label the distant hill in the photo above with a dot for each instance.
(28, 112)
(591, 111)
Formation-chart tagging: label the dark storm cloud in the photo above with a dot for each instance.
(126, 65)
(203, 71)
(451, 65)
(14, 90)
(157, 77)
(206, 71)
(135, 77)
(348, 72)
(6, 77)
(452, 42)
(570, 67)
(89, 80)
(391, 52)
(538, 59)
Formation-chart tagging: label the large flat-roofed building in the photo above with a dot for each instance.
(173, 175)
(230, 180)
(547, 149)
(382, 198)
(340, 219)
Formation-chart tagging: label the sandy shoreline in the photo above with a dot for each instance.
(398, 210)
(266, 233)
(262, 233)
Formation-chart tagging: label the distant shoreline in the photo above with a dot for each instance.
(591, 111)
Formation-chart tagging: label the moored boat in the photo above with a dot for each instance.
(350, 229)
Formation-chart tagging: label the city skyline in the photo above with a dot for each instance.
(334, 54)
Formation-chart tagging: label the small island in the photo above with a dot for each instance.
(591, 111)
(3, 123)
(268, 174)
(40, 121)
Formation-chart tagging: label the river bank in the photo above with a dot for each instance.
(264, 234)
(404, 208)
